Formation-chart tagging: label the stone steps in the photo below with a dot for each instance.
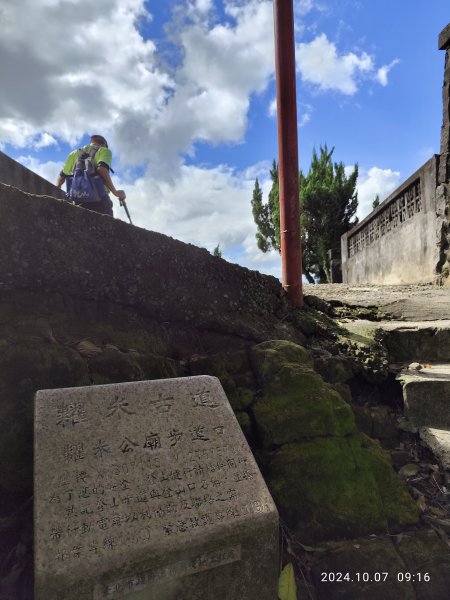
(426, 392)
(426, 395)
(405, 341)
(438, 440)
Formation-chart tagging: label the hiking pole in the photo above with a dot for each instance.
(124, 204)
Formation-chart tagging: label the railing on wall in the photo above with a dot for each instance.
(398, 211)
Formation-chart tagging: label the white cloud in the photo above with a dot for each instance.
(15, 132)
(303, 112)
(203, 6)
(373, 182)
(320, 64)
(197, 11)
(264, 262)
(302, 7)
(260, 169)
(75, 79)
(273, 108)
(382, 73)
(48, 170)
(44, 140)
(304, 119)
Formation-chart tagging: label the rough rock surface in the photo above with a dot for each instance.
(414, 302)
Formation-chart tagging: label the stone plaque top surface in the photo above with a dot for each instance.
(127, 472)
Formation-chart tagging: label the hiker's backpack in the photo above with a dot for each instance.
(84, 185)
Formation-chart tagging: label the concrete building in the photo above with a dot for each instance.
(406, 238)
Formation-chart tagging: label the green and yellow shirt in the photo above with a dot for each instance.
(103, 157)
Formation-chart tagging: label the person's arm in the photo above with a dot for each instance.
(61, 179)
(104, 173)
(67, 169)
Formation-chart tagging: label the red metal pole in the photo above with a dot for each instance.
(291, 252)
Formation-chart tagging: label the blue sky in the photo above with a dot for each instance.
(184, 91)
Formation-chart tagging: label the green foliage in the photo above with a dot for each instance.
(376, 201)
(328, 200)
(217, 251)
(265, 215)
(287, 587)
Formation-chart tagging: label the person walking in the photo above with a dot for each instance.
(102, 159)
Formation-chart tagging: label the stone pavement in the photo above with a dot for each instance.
(413, 302)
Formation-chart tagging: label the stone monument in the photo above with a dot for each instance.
(149, 491)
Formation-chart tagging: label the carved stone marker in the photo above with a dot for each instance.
(149, 491)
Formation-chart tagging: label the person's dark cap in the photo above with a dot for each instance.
(99, 138)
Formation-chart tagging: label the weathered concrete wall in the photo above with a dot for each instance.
(400, 241)
(13, 173)
(51, 246)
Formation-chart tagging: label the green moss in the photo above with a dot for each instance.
(334, 488)
(334, 369)
(112, 366)
(302, 406)
(231, 368)
(26, 367)
(268, 358)
(244, 422)
(32, 364)
(133, 339)
(233, 371)
(397, 503)
(241, 399)
(295, 402)
(220, 364)
(158, 367)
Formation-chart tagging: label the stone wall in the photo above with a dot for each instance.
(399, 242)
(443, 184)
(77, 287)
(48, 245)
(13, 173)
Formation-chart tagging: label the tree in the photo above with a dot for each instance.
(328, 205)
(217, 251)
(376, 201)
(264, 215)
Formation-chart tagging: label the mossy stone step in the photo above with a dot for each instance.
(426, 394)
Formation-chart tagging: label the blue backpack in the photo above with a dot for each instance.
(84, 185)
